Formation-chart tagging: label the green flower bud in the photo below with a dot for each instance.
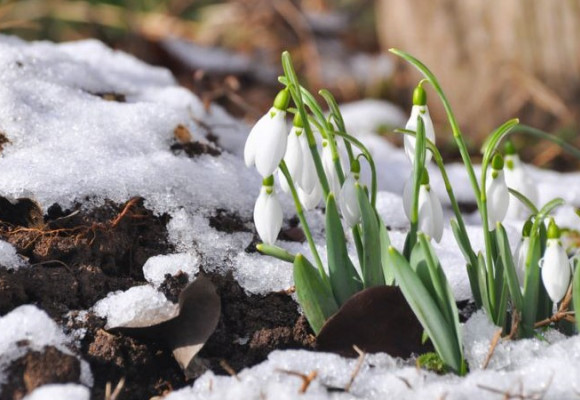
(424, 177)
(527, 229)
(268, 181)
(282, 100)
(419, 96)
(297, 121)
(509, 148)
(355, 166)
(553, 230)
(497, 162)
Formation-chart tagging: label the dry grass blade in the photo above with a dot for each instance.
(492, 346)
(359, 363)
(228, 368)
(306, 379)
(115, 394)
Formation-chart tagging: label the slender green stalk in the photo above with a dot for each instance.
(303, 221)
(294, 87)
(369, 159)
(543, 135)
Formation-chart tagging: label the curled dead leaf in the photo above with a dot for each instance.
(377, 319)
(187, 332)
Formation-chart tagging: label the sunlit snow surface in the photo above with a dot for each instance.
(68, 145)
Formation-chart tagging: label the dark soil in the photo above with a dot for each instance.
(78, 257)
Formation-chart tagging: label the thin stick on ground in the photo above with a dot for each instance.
(492, 346)
(227, 367)
(359, 363)
(116, 392)
(306, 379)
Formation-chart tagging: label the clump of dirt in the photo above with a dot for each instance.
(77, 257)
(192, 148)
(226, 221)
(40, 368)
(252, 326)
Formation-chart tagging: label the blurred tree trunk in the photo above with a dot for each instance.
(496, 59)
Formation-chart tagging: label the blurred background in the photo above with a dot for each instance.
(496, 59)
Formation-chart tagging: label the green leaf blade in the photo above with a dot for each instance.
(372, 266)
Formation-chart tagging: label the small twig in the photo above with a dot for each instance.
(124, 212)
(405, 381)
(359, 364)
(227, 367)
(519, 394)
(492, 346)
(306, 379)
(562, 312)
(66, 266)
(116, 392)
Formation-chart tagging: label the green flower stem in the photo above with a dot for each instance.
(294, 87)
(276, 252)
(369, 158)
(302, 218)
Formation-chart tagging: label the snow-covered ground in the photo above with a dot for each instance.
(67, 144)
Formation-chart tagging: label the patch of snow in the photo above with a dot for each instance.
(136, 307)
(157, 267)
(29, 328)
(9, 259)
(519, 367)
(67, 391)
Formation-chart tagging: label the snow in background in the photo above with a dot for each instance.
(68, 145)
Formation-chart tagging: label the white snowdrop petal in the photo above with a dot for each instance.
(408, 196)
(517, 179)
(293, 156)
(260, 217)
(331, 174)
(409, 141)
(275, 218)
(555, 270)
(283, 182)
(437, 215)
(309, 178)
(520, 255)
(272, 145)
(348, 202)
(312, 199)
(497, 199)
(253, 139)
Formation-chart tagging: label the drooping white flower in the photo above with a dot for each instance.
(293, 155)
(419, 109)
(497, 193)
(268, 212)
(556, 270)
(330, 170)
(309, 178)
(310, 200)
(348, 200)
(430, 216)
(266, 143)
(521, 253)
(517, 178)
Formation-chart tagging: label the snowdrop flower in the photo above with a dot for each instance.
(266, 143)
(268, 212)
(555, 266)
(430, 210)
(521, 253)
(419, 109)
(517, 178)
(348, 201)
(497, 193)
(310, 200)
(330, 170)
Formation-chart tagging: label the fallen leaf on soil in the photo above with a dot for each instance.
(377, 319)
(187, 332)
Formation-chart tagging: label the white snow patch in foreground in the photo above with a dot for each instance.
(68, 391)
(520, 367)
(32, 326)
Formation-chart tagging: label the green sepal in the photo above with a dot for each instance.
(482, 283)
(313, 294)
(371, 267)
(344, 278)
(440, 332)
